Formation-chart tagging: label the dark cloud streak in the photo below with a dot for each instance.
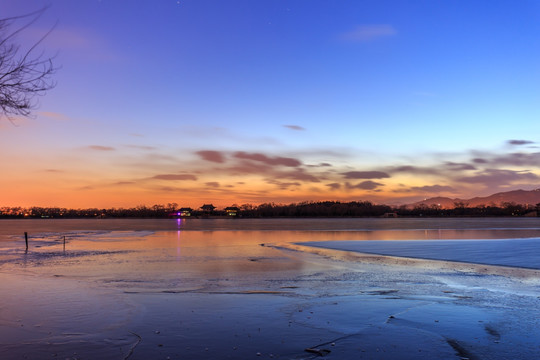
(334, 186)
(520, 142)
(518, 159)
(497, 177)
(365, 175)
(101, 148)
(294, 127)
(274, 161)
(211, 155)
(365, 185)
(459, 166)
(173, 177)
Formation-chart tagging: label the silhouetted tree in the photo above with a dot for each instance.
(513, 209)
(24, 73)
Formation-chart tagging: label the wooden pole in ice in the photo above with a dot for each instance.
(26, 239)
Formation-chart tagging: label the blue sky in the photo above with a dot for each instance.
(200, 101)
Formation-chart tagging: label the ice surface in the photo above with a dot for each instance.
(505, 252)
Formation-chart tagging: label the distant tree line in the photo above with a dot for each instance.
(141, 211)
(272, 210)
(317, 209)
(462, 209)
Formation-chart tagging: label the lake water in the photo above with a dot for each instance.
(242, 288)
(14, 227)
(494, 241)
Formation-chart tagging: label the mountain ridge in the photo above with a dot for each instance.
(518, 197)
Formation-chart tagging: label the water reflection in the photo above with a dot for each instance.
(212, 252)
(178, 252)
(17, 227)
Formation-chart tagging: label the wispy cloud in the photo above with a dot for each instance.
(364, 185)
(173, 177)
(297, 174)
(518, 159)
(54, 115)
(140, 147)
(411, 169)
(294, 127)
(524, 159)
(334, 186)
(211, 155)
(366, 33)
(365, 175)
(120, 183)
(459, 166)
(479, 160)
(520, 142)
(496, 177)
(53, 171)
(101, 148)
(284, 185)
(284, 161)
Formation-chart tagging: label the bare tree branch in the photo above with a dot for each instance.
(24, 74)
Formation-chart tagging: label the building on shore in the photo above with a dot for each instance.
(208, 209)
(232, 211)
(182, 212)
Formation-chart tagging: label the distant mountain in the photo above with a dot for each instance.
(442, 202)
(521, 197)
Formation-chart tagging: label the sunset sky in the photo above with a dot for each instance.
(251, 101)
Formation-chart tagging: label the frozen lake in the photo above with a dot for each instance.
(240, 289)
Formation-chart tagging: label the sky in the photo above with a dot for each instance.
(249, 102)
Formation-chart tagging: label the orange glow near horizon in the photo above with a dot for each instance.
(69, 195)
(85, 178)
